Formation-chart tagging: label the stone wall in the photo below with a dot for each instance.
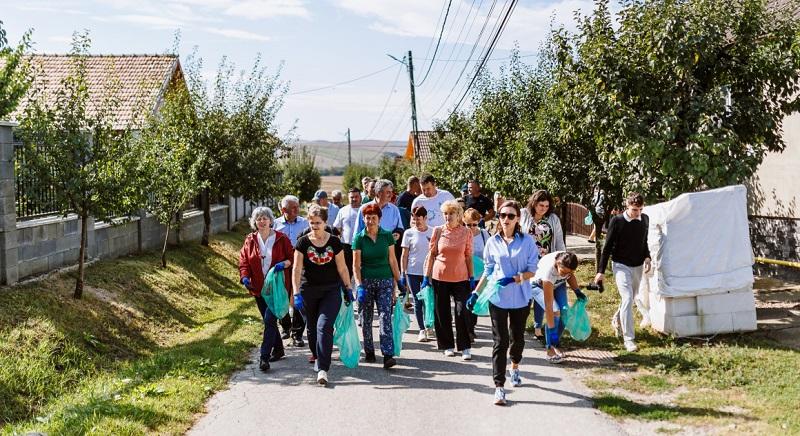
(776, 238)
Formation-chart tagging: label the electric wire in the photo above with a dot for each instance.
(321, 88)
(438, 42)
(386, 104)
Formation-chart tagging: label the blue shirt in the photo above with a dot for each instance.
(506, 260)
(291, 229)
(390, 218)
(333, 210)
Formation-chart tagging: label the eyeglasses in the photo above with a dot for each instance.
(510, 216)
(471, 225)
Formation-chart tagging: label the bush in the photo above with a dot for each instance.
(300, 176)
(396, 171)
(353, 174)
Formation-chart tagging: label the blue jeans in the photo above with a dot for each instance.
(271, 342)
(321, 307)
(378, 291)
(415, 282)
(560, 297)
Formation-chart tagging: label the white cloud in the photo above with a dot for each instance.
(150, 20)
(238, 34)
(258, 9)
(60, 39)
(50, 9)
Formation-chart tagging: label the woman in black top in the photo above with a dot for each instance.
(318, 275)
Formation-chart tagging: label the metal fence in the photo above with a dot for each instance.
(33, 198)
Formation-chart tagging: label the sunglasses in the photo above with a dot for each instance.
(471, 225)
(510, 216)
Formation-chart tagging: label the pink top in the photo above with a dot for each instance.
(454, 248)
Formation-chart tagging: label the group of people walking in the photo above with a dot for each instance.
(380, 246)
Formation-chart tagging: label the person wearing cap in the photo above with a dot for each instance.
(321, 199)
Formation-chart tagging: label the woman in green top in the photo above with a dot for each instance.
(375, 270)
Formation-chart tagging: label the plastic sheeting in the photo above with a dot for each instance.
(700, 243)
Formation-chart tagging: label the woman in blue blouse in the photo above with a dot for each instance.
(510, 259)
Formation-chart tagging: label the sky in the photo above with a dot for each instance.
(319, 44)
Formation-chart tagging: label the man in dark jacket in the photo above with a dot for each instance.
(626, 246)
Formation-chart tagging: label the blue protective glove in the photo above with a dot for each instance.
(298, 302)
(280, 266)
(506, 281)
(348, 296)
(362, 294)
(401, 285)
(246, 282)
(552, 336)
(472, 283)
(473, 298)
(425, 282)
(579, 294)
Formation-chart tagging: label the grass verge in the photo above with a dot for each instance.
(139, 354)
(745, 382)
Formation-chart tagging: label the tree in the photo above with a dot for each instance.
(72, 145)
(396, 171)
(682, 95)
(353, 174)
(300, 176)
(167, 160)
(14, 72)
(238, 142)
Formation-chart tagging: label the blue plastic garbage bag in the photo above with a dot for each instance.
(400, 323)
(481, 307)
(275, 294)
(426, 294)
(477, 266)
(345, 336)
(576, 320)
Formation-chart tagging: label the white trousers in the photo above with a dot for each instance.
(628, 280)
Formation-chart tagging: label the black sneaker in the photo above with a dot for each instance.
(263, 364)
(298, 343)
(285, 335)
(369, 356)
(276, 356)
(388, 362)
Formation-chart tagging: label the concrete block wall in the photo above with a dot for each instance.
(48, 243)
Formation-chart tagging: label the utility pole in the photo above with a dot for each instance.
(349, 149)
(414, 130)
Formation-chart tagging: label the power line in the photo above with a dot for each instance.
(386, 104)
(343, 83)
(488, 53)
(439, 41)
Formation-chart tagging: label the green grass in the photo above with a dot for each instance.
(139, 354)
(745, 371)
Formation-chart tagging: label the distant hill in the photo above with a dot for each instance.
(332, 154)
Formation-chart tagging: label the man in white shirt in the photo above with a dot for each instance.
(432, 199)
(346, 223)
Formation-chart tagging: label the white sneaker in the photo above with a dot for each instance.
(431, 333)
(631, 346)
(422, 337)
(449, 352)
(516, 380)
(322, 377)
(466, 354)
(499, 396)
(616, 326)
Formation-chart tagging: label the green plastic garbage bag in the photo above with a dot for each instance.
(345, 336)
(400, 323)
(275, 294)
(477, 266)
(426, 295)
(576, 320)
(588, 219)
(481, 307)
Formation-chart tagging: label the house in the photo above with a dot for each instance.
(418, 149)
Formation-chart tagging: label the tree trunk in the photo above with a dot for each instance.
(206, 202)
(164, 249)
(84, 233)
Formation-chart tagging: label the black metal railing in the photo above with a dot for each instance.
(33, 197)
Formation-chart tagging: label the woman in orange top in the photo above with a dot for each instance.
(450, 265)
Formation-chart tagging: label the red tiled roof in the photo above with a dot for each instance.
(426, 138)
(140, 80)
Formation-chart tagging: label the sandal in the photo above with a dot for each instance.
(554, 359)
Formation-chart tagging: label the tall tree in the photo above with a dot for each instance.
(167, 160)
(14, 72)
(71, 144)
(300, 175)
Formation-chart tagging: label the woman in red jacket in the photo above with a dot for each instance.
(263, 249)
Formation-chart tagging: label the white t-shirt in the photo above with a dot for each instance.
(266, 251)
(417, 243)
(546, 270)
(433, 205)
(346, 220)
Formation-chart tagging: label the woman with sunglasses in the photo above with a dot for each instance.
(317, 279)
(540, 222)
(511, 257)
(450, 265)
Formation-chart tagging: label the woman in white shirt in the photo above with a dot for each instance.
(416, 244)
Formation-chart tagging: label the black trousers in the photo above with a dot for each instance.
(293, 323)
(271, 342)
(504, 320)
(443, 321)
(348, 258)
(321, 307)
